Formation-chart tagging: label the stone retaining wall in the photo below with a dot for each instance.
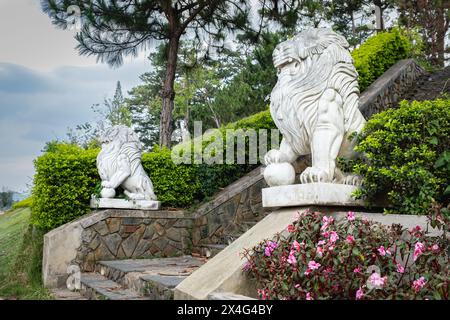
(114, 234)
(388, 89)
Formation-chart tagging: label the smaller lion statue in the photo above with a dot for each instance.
(315, 106)
(119, 164)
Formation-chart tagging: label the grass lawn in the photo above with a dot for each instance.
(20, 257)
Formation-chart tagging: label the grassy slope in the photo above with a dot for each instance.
(13, 225)
(20, 257)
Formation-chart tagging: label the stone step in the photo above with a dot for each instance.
(152, 278)
(97, 287)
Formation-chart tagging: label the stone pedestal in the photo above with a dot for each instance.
(326, 194)
(107, 203)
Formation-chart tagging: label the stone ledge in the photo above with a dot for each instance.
(327, 194)
(107, 203)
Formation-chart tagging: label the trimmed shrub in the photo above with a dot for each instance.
(175, 185)
(402, 148)
(67, 177)
(378, 54)
(64, 182)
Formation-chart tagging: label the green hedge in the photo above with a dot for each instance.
(402, 148)
(66, 175)
(378, 54)
(64, 181)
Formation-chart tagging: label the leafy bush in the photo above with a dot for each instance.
(321, 258)
(405, 155)
(378, 54)
(64, 181)
(25, 203)
(66, 177)
(175, 185)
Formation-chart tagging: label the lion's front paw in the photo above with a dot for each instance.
(314, 174)
(273, 156)
(106, 184)
(353, 179)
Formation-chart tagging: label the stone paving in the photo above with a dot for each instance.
(140, 279)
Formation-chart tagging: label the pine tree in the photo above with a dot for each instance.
(114, 29)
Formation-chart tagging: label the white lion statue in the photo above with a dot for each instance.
(315, 106)
(119, 164)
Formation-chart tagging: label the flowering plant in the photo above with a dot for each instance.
(319, 257)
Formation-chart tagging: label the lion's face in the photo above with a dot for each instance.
(118, 135)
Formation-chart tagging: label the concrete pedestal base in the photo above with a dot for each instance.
(108, 203)
(327, 194)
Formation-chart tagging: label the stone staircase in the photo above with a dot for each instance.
(150, 279)
(137, 279)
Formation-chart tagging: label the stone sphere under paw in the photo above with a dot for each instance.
(279, 174)
(108, 193)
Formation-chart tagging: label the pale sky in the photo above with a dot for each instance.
(45, 86)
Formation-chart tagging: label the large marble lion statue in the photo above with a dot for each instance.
(119, 164)
(315, 104)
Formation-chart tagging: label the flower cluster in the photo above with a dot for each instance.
(322, 257)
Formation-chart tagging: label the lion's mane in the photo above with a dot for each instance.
(325, 62)
(119, 140)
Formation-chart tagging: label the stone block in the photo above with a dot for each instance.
(328, 194)
(115, 203)
(149, 232)
(101, 227)
(113, 224)
(174, 234)
(112, 242)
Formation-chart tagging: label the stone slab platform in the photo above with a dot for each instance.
(107, 203)
(326, 194)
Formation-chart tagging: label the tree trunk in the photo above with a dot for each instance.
(168, 93)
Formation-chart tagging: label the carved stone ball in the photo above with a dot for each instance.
(108, 193)
(279, 174)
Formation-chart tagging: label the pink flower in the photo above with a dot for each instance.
(291, 259)
(400, 268)
(350, 239)
(296, 246)
(247, 266)
(359, 294)
(350, 216)
(326, 234)
(319, 251)
(290, 228)
(381, 251)
(264, 294)
(326, 221)
(434, 247)
(308, 296)
(270, 247)
(297, 286)
(376, 280)
(328, 270)
(333, 237)
(321, 243)
(313, 265)
(357, 270)
(297, 216)
(419, 284)
(419, 248)
(330, 248)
